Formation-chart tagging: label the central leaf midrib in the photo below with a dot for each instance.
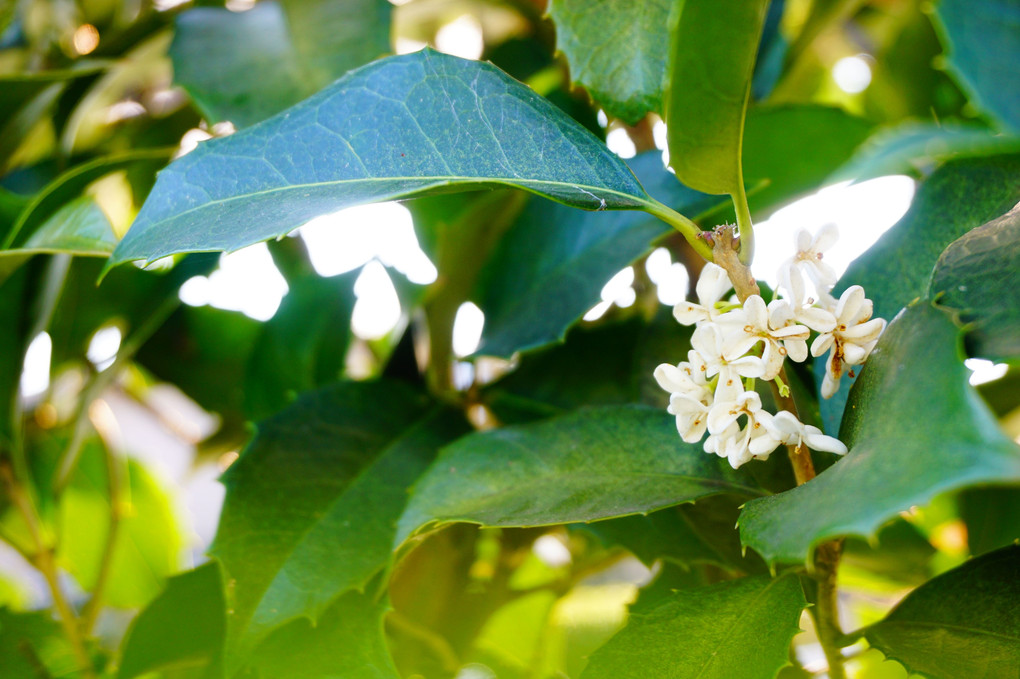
(512, 181)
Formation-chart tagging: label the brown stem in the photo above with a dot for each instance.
(826, 613)
(43, 560)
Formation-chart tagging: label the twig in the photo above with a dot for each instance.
(115, 480)
(826, 613)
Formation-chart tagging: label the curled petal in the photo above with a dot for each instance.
(773, 360)
(829, 385)
(791, 281)
(816, 440)
(817, 319)
(853, 354)
(712, 284)
(865, 332)
(796, 349)
(762, 444)
(757, 313)
(850, 303)
(822, 344)
(749, 366)
(688, 313)
(671, 378)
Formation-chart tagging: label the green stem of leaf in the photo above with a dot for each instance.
(826, 610)
(744, 225)
(685, 226)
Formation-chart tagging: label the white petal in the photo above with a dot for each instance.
(773, 360)
(749, 366)
(780, 314)
(671, 378)
(819, 441)
(865, 332)
(796, 349)
(829, 385)
(826, 237)
(712, 284)
(762, 444)
(849, 303)
(804, 240)
(757, 312)
(817, 319)
(722, 416)
(688, 313)
(853, 354)
(822, 344)
(790, 280)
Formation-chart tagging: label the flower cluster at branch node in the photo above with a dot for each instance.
(734, 345)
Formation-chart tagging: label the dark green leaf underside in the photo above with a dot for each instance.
(402, 126)
(964, 624)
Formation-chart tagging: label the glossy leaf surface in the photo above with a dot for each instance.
(625, 74)
(915, 429)
(288, 535)
(964, 624)
(591, 464)
(740, 628)
(403, 126)
(274, 54)
(978, 276)
(184, 626)
(712, 52)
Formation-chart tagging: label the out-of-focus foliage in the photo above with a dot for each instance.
(191, 491)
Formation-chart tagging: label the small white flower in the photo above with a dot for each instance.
(690, 395)
(808, 260)
(709, 342)
(728, 439)
(712, 285)
(753, 323)
(790, 431)
(851, 340)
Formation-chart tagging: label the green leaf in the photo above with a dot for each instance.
(69, 185)
(964, 624)
(347, 641)
(978, 276)
(549, 268)
(273, 55)
(149, 540)
(312, 503)
(402, 126)
(33, 645)
(739, 628)
(185, 626)
(712, 53)
(80, 227)
(983, 44)
(302, 346)
(702, 532)
(617, 50)
(915, 429)
(789, 150)
(957, 197)
(14, 304)
(911, 148)
(591, 464)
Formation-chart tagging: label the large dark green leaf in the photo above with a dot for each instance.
(28, 640)
(712, 54)
(983, 39)
(185, 626)
(347, 642)
(302, 346)
(617, 50)
(957, 197)
(551, 265)
(964, 624)
(312, 504)
(275, 54)
(591, 464)
(978, 276)
(915, 429)
(740, 628)
(403, 126)
(992, 517)
(913, 147)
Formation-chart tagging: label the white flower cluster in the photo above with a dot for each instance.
(713, 389)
